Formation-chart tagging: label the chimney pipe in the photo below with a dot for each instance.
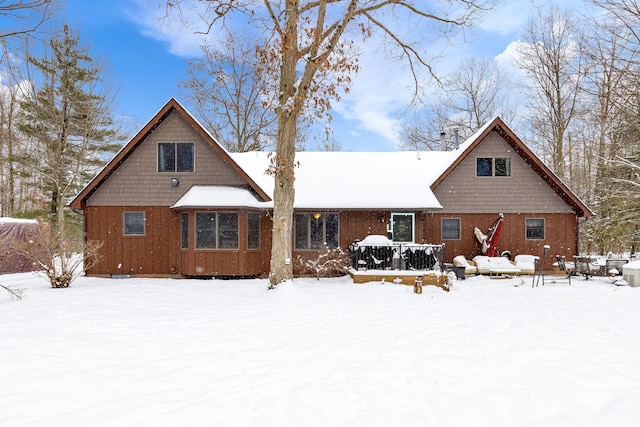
(443, 144)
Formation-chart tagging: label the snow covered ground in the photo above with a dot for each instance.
(136, 352)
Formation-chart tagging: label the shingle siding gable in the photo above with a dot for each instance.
(136, 182)
(524, 191)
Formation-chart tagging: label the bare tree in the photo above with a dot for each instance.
(226, 88)
(24, 16)
(312, 47)
(474, 93)
(555, 68)
(470, 96)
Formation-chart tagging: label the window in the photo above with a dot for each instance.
(253, 231)
(402, 227)
(450, 228)
(484, 166)
(133, 223)
(216, 230)
(535, 228)
(312, 230)
(503, 166)
(488, 166)
(185, 230)
(175, 157)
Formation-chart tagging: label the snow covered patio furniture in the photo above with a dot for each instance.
(586, 266)
(561, 265)
(495, 266)
(469, 266)
(526, 263)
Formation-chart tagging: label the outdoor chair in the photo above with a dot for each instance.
(562, 266)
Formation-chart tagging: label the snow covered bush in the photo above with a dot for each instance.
(328, 263)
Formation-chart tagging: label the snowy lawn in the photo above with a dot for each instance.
(146, 352)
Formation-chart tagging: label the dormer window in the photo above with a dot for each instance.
(490, 166)
(175, 157)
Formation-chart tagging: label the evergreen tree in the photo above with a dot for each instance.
(69, 117)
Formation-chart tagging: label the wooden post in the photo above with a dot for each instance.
(417, 286)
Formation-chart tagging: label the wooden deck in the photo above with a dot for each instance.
(402, 277)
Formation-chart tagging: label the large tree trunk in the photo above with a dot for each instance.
(283, 197)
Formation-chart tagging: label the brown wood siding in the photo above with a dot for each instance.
(159, 253)
(560, 234)
(356, 225)
(228, 262)
(137, 181)
(155, 253)
(524, 191)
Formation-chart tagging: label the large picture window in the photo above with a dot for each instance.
(450, 229)
(216, 230)
(489, 166)
(535, 228)
(175, 157)
(133, 223)
(312, 230)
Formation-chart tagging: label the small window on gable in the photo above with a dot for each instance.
(175, 157)
(490, 166)
(484, 166)
(133, 223)
(535, 228)
(450, 228)
(502, 166)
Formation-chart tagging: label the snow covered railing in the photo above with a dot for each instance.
(380, 253)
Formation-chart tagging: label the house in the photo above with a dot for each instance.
(175, 202)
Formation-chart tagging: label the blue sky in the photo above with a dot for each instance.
(147, 64)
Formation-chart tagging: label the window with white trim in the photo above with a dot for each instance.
(402, 227)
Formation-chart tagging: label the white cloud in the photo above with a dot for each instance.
(510, 56)
(507, 18)
(382, 87)
(178, 33)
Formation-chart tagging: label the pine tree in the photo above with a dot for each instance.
(69, 118)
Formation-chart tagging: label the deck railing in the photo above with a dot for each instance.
(397, 256)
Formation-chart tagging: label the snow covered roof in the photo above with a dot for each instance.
(356, 180)
(200, 196)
